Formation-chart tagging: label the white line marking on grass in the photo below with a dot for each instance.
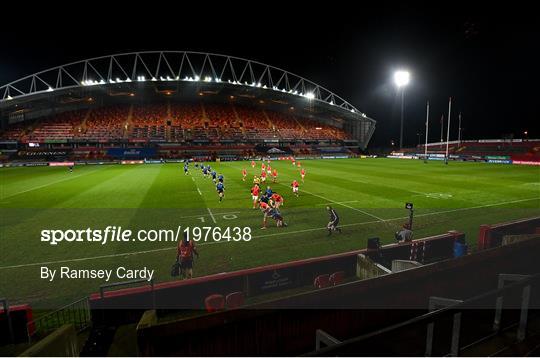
(265, 235)
(345, 205)
(211, 215)
(45, 185)
(341, 202)
(207, 208)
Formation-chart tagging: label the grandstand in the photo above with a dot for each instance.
(291, 290)
(216, 103)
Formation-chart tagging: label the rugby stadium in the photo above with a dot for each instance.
(108, 164)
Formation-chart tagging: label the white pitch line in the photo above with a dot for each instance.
(261, 236)
(345, 205)
(207, 208)
(45, 185)
(341, 202)
(211, 215)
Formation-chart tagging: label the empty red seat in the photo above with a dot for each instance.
(214, 303)
(337, 278)
(234, 300)
(322, 281)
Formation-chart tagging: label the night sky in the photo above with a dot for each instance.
(487, 57)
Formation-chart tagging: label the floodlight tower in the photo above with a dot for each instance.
(401, 79)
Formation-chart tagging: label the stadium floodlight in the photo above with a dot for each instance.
(128, 79)
(197, 78)
(154, 79)
(259, 84)
(217, 79)
(177, 78)
(401, 78)
(310, 95)
(50, 89)
(118, 80)
(208, 79)
(331, 103)
(111, 81)
(102, 82)
(9, 97)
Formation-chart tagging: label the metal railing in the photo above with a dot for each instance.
(520, 285)
(77, 313)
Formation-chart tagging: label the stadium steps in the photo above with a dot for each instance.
(271, 124)
(86, 116)
(239, 120)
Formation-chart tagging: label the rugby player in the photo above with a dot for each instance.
(220, 188)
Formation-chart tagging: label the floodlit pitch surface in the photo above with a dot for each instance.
(369, 195)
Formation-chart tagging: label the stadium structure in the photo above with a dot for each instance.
(168, 104)
(467, 283)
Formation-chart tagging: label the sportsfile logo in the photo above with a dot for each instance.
(119, 234)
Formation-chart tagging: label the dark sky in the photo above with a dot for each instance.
(486, 56)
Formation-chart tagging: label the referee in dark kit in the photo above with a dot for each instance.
(334, 221)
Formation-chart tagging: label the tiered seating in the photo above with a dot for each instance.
(103, 124)
(148, 122)
(16, 132)
(525, 149)
(286, 125)
(61, 127)
(223, 119)
(255, 124)
(178, 122)
(184, 119)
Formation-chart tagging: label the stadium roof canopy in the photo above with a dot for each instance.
(182, 73)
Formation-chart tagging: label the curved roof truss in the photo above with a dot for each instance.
(171, 66)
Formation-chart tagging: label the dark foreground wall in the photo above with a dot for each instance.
(287, 326)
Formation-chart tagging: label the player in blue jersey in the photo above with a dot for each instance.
(268, 192)
(220, 189)
(214, 175)
(186, 168)
(220, 178)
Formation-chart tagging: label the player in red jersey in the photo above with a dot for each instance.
(273, 213)
(253, 164)
(277, 200)
(298, 164)
(255, 195)
(263, 177)
(303, 174)
(269, 169)
(274, 176)
(244, 174)
(263, 167)
(295, 186)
